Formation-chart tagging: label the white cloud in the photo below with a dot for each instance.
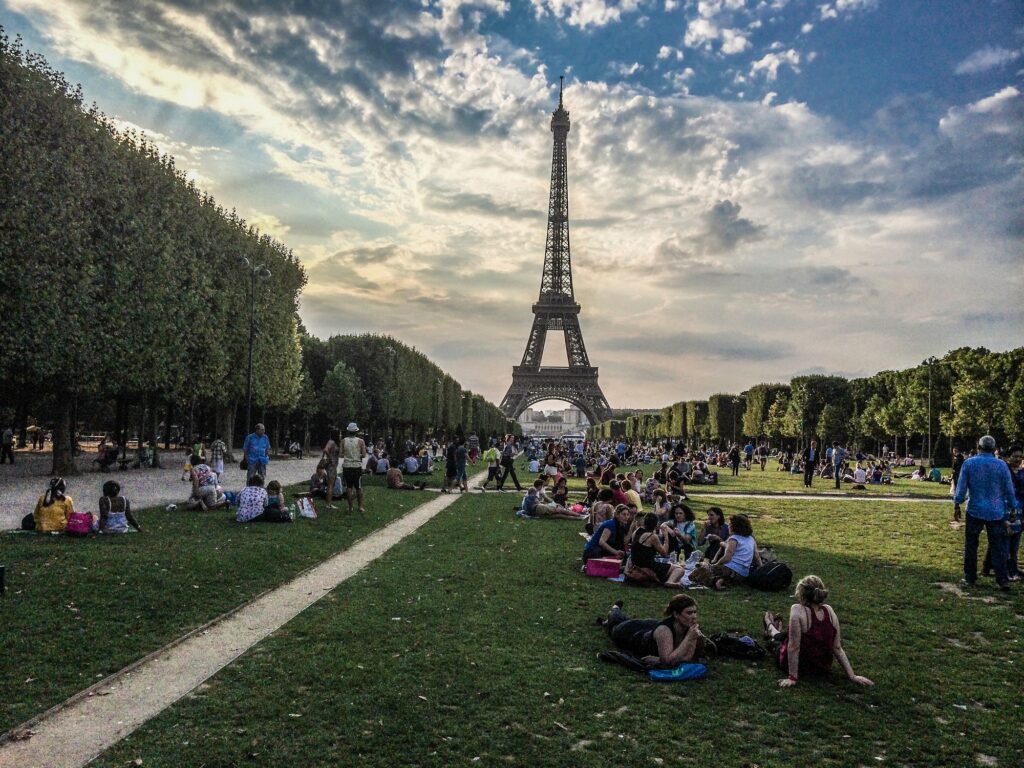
(806, 28)
(700, 32)
(625, 70)
(845, 8)
(768, 65)
(733, 42)
(667, 51)
(984, 59)
(585, 13)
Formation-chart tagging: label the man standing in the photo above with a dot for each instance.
(838, 457)
(508, 455)
(985, 483)
(748, 453)
(810, 462)
(329, 460)
(7, 450)
(257, 452)
(353, 451)
(958, 462)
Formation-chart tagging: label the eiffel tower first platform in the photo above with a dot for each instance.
(556, 310)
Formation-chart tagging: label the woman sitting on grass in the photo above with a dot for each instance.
(813, 639)
(252, 501)
(52, 510)
(115, 511)
(714, 532)
(669, 642)
(609, 537)
(560, 493)
(601, 510)
(592, 493)
(676, 485)
(737, 556)
(647, 543)
(682, 530)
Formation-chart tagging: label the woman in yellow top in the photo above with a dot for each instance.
(53, 508)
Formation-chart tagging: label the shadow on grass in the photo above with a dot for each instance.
(476, 638)
(77, 610)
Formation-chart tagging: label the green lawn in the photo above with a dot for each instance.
(474, 643)
(79, 609)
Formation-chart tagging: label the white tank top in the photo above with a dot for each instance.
(351, 456)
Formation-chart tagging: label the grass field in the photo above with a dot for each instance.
(474, 643)
(79, 609)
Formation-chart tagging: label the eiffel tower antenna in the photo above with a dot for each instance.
(556, 308)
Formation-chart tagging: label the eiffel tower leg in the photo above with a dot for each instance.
(534, 352)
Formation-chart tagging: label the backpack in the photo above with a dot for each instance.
(771, 577)
(737, 646)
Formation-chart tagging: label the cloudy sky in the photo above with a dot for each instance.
(758, 188)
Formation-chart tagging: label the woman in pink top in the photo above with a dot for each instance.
(813, 639)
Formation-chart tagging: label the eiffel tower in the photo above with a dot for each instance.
(556, 310)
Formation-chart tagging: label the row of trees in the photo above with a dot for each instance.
(126, 292)
(966, 393)
(390, 389)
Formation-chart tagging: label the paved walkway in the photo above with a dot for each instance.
(80, 729)
(22, 484)
(819, 497)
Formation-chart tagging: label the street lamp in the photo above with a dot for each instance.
(735, 402)
(263, 273)
(392, 355)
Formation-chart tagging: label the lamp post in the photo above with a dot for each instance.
(392, 356)
(263, 273)
(735, 402)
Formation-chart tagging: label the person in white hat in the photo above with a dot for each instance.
(353, 451)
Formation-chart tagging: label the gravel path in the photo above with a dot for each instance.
(75, 732)
(22, 483)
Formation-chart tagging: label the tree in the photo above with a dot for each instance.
(760, 398)
(341, 396)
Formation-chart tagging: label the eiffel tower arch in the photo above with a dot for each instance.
(556, 309)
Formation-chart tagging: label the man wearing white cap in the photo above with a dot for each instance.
(353, 451)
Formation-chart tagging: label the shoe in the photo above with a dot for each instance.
(967, 582)
(421, 486)
(1004, 586)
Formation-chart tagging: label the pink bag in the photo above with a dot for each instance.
(79, 524)
(603, 567)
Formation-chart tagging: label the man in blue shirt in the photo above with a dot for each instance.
(986, 485)
(257, 452)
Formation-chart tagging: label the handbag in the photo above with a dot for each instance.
(243, 464)
(79, 524)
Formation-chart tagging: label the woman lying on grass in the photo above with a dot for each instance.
(533, 507)
(668, 642)
(813, 639)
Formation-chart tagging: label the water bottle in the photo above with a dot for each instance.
(291, 511)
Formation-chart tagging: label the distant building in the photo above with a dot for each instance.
(553, 423)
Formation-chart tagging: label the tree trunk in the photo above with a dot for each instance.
(21, 421)
(167, 423)
(120, 421)
(305, 433)
(224, 428)
(154, 426)
(63, 438)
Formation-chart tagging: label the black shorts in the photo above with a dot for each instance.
(352, 477)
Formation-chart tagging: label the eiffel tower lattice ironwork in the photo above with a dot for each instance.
(556, 310)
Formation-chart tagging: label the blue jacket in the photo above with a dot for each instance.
(986, 484)
(257, 449)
